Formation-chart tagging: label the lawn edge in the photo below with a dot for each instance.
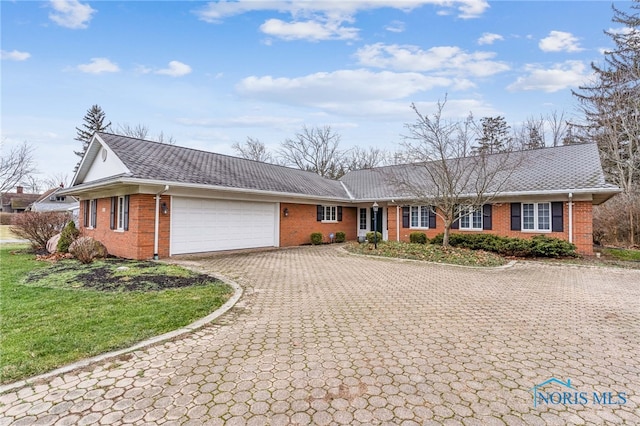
(197, 324)
(507, 265)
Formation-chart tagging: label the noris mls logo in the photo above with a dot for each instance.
(569, 395)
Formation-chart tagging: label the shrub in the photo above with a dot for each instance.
(371, 237)
(67, 236)
(340, 237)
(6, 218)
(316, 238)
(543, 246)
(86, 249)
(38, 227)
(418, 237)
(538, 246)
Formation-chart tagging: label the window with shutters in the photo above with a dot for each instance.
(90, 213)
(470, 219)
(420, 217)
(330, 213)
(120, 214)
(536, 216)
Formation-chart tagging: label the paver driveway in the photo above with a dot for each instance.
(322, 337)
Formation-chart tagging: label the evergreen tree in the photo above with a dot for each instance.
(93, 122)
(494, 137)
(611, 106)
(534, 140)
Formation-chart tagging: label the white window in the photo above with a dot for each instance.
(93, 213)
(536, 216)
(120, 214)
(420, 216)
(330, 214)
(363, 219)
(471, 219)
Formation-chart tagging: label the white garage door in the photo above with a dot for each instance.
(199, 225)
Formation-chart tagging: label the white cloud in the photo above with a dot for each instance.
(440, 60)
(175, 69)
(560, 41)
(219, 10)
(489, 38)
(14, 55)
(395, 27)
(308, 30)
(324, 19)
(328, 89)
(240, 121)
(559, 77)
(71, 13)
(99, 66)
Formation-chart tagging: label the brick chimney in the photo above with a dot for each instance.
(19, 190)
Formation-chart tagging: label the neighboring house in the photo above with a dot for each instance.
(16, 202)
(146, 199)
(53, 201)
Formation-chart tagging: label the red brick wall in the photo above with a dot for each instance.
(137, 241)
(501, 221)
(296, 229)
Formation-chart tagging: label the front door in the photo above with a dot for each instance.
(376, 222)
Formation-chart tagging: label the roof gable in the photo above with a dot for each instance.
(99, 162)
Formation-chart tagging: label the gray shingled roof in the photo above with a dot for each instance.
(163, 162)
(572, 167)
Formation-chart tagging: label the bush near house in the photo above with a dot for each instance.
(371, 237)
(538, 246)
(341, 237)
(418, 237)
(67, 236)
(316, 238)
(38, 227)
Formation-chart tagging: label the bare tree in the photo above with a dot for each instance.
(57, 180)
(315, 149)
(558, 127)
(16, 165)
(446, 177)
(361, 158)
(141, 131)
(253, 149)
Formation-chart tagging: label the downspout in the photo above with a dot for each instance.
(156, 234)
(571, 217)
(398, 223)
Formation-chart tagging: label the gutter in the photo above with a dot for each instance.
(156, 233)
(571, 217)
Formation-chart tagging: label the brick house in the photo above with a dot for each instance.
(145, 199)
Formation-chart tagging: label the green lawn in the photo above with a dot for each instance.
(627, 255)
(48, 322)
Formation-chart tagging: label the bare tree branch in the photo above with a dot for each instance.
(253, 149)
(16, 164)
(315, 149)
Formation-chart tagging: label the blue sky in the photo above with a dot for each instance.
(214, 73)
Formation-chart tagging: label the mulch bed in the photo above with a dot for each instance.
(101, 277)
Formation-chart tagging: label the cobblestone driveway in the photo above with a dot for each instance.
(322, 337)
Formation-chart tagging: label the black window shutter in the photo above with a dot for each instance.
(126, 212)
(112, 216)
(557, 221)
(86, 213)
(456, 223)
(486, 217)
(405, 217)
(94, 213)
(432, 217)
(319, 213)
(339, 208)
(515, 216)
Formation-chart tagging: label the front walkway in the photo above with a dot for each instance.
(322, 337)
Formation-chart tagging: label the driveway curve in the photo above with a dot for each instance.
(323, 337)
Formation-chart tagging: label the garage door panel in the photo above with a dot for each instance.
(209, 225)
